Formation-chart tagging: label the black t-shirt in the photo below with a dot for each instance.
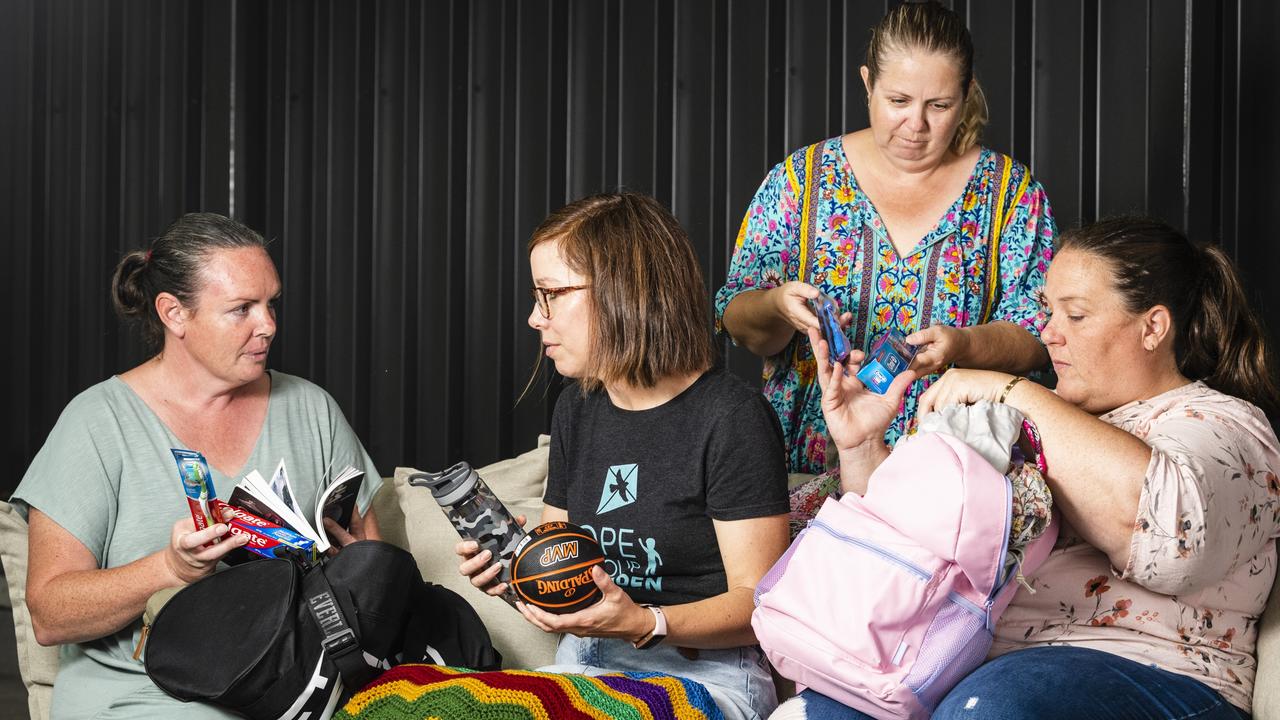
(648, 483)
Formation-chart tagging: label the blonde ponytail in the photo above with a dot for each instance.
(973, 119)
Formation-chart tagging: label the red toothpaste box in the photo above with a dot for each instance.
(268, 539)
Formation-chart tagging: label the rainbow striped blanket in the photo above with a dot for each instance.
(431, 691)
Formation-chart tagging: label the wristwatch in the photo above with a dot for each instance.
(659, 629)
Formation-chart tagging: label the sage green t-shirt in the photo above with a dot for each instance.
(107, 476)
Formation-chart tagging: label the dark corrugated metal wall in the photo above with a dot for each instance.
(400, 153)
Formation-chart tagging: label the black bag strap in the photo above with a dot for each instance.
(285, 692)
(341, 639)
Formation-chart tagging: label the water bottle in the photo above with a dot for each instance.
(476, 513)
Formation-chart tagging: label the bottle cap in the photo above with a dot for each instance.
(449, 486)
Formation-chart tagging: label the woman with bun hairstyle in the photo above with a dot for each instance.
(908, 225)
(674, 465)
(108, 518)
(1163, 469)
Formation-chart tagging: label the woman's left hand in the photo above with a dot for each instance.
(963, 387)
(854, 414)
(940, 346)
(363, 527)
(615, 615)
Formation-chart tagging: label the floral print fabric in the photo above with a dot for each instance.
(1202, 557)
(851, 258)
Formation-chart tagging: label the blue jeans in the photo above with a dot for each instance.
(738, 679)
(1063, 683)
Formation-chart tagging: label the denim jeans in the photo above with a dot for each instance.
(1063, 683)
(738, 679)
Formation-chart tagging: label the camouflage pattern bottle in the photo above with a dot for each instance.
(476, 513)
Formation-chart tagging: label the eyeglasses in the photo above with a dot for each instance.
(544, 296)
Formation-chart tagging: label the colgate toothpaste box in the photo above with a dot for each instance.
(268, 539)
(197, 483)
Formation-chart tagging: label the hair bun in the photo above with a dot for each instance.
(127, 291)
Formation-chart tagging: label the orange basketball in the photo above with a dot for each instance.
(552, 568)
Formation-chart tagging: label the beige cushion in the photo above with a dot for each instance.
(518, 483)
(37, 664)
(795, 480)
(386, 507)
(1266, 687)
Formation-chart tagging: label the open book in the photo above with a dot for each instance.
(276, 502)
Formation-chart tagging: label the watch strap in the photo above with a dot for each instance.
(659, 632)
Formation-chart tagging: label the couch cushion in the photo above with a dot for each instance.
(37, 664)
(518, 482)
(386, 507)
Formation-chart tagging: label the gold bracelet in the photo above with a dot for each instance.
(1005, 392)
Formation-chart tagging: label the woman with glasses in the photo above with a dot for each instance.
(674, 465)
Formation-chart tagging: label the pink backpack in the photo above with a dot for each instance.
(886, 601)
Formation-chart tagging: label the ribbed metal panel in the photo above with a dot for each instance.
(399, 153)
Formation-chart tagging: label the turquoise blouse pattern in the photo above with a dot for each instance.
(945, 280)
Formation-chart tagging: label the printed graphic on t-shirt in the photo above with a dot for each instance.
(620, 487)
(631, 560)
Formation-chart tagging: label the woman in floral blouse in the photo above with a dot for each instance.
(1163, 468)
(908, 224)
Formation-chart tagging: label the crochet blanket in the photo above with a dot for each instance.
(432, 691)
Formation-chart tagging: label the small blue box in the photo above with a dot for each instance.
(828, 313)
(890, 355)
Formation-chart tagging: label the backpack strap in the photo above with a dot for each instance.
(341, 639)
(999, 221)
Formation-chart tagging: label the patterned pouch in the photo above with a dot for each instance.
(807, 498)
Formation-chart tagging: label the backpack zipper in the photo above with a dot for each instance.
(968, 605)
(1004, 544)
(142, 640)
(919, 572)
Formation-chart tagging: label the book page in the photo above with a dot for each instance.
(279, 485)
(255, 485)
(244, 498)
(338, 501)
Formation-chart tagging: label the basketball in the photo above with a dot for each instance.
(552, 568)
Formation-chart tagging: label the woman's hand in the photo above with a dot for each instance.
(478, 566)
(940, 346)
(791, 302)
(363, 527)
(766, 321)
(615, 615)
(963, 387)
(187, 558)
(854, 414)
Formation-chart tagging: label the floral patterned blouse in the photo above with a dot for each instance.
(1202, 559)
(947, 278)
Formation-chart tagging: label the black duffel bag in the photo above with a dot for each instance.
(266, 640)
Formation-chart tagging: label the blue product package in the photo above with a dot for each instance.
(890, 355)
(828, 313)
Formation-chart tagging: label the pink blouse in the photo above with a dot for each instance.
(1202, 559)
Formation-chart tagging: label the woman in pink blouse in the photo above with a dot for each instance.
(1163, 468)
